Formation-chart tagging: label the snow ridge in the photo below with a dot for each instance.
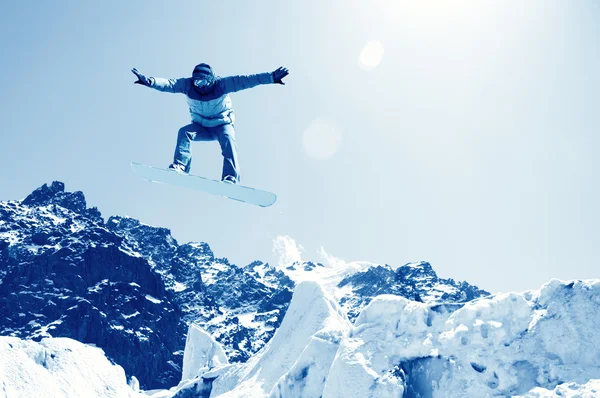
(59, 367)
(504, 345)
(133, 290)
(532, 344)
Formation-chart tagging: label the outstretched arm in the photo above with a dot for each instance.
(169, 85)
(161, 84)
(232, 84)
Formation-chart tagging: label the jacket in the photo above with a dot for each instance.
(214, 108)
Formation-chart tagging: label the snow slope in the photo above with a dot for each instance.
(202, 353)
(414, 334)
(590, 389)
(355, 284)
(534, 344)
(58, 367)
(294, 363)
(505, 345)
(138, 289)
(313, 321)
(125, 286)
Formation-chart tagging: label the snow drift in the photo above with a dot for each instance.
(294, 363)
(590, 389)
(531, 344)
(202, 354)
(505, 345)
(59, 367)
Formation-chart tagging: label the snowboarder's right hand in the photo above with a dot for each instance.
(143, 80)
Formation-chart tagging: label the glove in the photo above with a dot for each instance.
(279, 74)
(143, 80)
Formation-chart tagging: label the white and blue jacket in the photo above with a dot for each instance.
(214, 108)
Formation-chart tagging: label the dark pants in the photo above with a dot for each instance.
(225, 134)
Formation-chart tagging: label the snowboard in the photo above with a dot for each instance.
(232, 191)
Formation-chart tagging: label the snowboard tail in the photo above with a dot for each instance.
(232, 191)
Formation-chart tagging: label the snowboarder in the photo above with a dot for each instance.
(211, 112)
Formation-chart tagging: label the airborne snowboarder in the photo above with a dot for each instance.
(211, 112)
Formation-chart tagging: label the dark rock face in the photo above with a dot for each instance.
(55, 194)
(210, 291)
(64, 274)
(132, 290)
(127, 287)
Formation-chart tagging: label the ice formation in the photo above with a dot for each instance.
(59, 367)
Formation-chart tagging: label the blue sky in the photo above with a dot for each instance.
(468, 137)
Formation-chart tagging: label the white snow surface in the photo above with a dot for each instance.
(503, 345)
(540, 343)
(202, 354)
(591, 389)
(58, 367)
(326, 275)
(313, 321)
(331, 274)
(204, 359)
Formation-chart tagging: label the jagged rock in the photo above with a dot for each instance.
(124, 286)
(55, 195)
(414, 281)
(64, 274)
(44, 194)
(133, 290)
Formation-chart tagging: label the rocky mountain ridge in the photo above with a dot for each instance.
(132, 289)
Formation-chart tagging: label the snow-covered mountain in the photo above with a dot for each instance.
(355, 284)
(133, 290)
(534, 344)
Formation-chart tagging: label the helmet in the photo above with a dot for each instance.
(204, 78)
(202, 70)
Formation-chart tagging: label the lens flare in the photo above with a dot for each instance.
(371, 55)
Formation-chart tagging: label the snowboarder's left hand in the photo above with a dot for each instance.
(143, 80)
(279, 74)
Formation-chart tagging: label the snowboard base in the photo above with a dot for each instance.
(231, 191)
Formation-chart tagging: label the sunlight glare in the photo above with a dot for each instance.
(371, 55)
